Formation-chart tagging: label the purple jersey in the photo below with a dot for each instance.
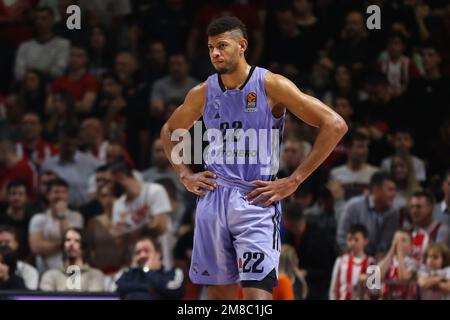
(250, 136)
(235, 240)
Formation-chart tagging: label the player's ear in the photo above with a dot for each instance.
(243, 44)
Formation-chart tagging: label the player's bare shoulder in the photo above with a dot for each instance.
(196, 98)
(278, 88)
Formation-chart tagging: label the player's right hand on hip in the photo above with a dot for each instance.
(199, 182)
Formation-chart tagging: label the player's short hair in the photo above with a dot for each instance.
(358, 228)
(378, 178)
(225, 24)
(424, 194)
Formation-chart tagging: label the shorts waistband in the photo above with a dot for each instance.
(240, 184)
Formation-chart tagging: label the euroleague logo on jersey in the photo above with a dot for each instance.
(251, 102)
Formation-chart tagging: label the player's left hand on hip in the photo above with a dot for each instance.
(271, 191)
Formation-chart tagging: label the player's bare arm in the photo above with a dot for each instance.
(282, 93)
(184, 117)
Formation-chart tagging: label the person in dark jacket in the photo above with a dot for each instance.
(313, 246)
(146, 279)
(8, 264)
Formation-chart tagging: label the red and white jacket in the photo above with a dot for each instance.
(346, 274)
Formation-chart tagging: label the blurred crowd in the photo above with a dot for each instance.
(84, 180)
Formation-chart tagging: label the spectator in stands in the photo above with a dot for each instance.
(403, 174)
(32, 146)
(41, 202)
(147, 279)
(141, 207)
(308, 241)
(14, 169)
(161, 168)
(78, 81)
(46, 229)
(442, 209)
(356, 173)
(9, 238)
(403, 142)
(439, 151)
(106, 251)
(425, 229)
(61, 279)
(289, 263)
(173, 86)
(375, 211)
(9, 280)
(61, 116)
(45, 52)
(17, 213)
(434, 275)
(73, 166)
(92, 138)
(100, 51)
(30, 96)
(342, 86)
(155, 63)
(397, 67)
(398, 266)
(350, 269)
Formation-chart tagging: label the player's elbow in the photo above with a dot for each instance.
(337, 125)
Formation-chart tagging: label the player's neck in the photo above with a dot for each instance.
(236, 78)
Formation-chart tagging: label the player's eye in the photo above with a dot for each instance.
(222, 45)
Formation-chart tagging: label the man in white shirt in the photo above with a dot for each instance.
(141, 207)
(46, 52)
(47, 229)
(356, 173)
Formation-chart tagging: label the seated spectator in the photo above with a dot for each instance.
(425, 229)
(61, 116)
(356, 173)
(141, 207)
(106, 251)
(29, 274)
(434, 275)
(92, 138)
(100, 51)
(342, 86)
(398, 267)
(147, 279)
(17, 213)
(289, 267)
(30, 95)
(375, 211)
(403, 174)
(14, 169)
(308, 241)
(32, 146)
(9, 280)
(442, 209)
(73, 166)
(439, 162)
(403, 143)
(398, 68)
(61, 279)
(350, 269)
(78, 81)
(44, 180)
(174, 86)
(115, 152)
(46, 52)
(46, 229)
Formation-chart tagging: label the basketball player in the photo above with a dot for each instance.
(236, 239)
